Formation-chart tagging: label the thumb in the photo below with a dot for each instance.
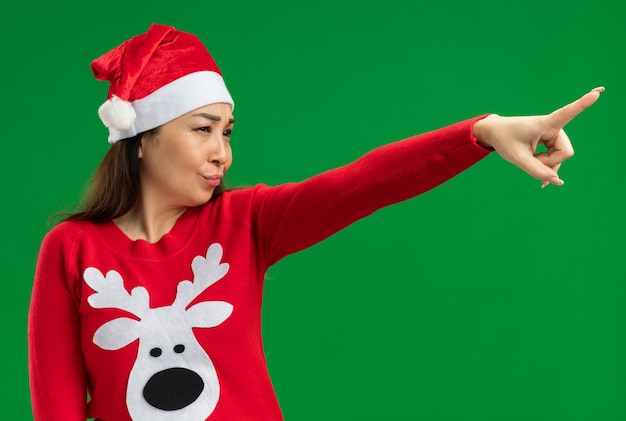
(533, 166)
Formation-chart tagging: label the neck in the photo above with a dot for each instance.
(142, 223)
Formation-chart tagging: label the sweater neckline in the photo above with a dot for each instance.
(168, 245)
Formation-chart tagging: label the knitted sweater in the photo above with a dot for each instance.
(172, 330)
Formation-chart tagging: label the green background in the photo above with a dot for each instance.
(487, 298)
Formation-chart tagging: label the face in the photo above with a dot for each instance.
(183, 163)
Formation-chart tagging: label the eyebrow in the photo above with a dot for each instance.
(213, 117)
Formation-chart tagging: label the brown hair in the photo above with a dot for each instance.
(115, 186)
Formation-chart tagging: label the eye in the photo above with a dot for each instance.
(228, 132)
(156, 352)
(206, 129)
(179, 349)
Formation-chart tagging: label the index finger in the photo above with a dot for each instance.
(559, 118)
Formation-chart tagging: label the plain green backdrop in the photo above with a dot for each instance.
(487, 298)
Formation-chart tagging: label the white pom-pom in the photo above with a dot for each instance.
(117, 114)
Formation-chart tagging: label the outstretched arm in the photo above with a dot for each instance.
(294, 216)
(516, 138)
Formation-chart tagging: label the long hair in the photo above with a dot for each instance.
(115, 186)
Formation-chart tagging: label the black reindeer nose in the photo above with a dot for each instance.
(173, 389)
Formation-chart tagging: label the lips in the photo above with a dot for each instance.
(213, 180)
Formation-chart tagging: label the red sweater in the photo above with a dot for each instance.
(112, 318)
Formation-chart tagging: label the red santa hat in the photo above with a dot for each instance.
(156, 77)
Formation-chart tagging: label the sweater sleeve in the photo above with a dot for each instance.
(294, 216)
(56, 368)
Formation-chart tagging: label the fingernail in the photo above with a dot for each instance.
(544, 184)
(598, 89)
(556, 181)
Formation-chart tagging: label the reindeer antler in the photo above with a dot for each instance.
(206, 271)
(110, 292)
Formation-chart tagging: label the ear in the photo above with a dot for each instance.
(116, 333)
(209, 313)
(140, 148)
(148, 136)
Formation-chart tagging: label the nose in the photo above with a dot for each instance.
(219, 151)
(172, 389)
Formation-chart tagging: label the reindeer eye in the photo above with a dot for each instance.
(156, 352)
(179, 349)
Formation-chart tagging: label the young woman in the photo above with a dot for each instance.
(154, 287)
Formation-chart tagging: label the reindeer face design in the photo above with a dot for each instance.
(173, 378)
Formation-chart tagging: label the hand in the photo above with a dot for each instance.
(516, 138)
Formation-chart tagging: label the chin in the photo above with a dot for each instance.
(200, 200)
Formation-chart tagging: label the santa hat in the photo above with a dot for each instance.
(156, 77)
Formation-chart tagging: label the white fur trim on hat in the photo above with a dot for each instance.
(170, 101)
